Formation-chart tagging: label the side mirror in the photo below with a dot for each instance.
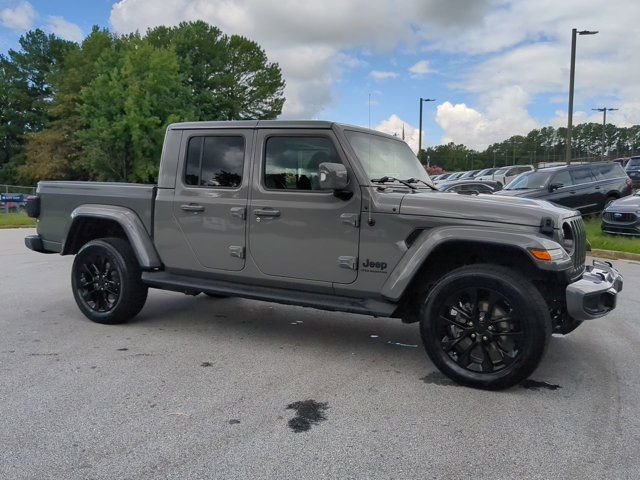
(555, 186)
(333, 176)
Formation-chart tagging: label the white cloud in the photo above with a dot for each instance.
(507, 53)
(64, 29)
(505, 115)
(419, 69)
(20, 17)
(305, 38)
(394, 126)
(381, 75)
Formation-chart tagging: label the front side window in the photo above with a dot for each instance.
(293, 163)
(215, 161)
(562, 178)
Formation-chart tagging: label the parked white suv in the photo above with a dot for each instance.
(504, 175)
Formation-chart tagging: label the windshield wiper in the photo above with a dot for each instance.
(386, 179)
(416, 180)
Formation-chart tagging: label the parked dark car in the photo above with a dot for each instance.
(469, 186)
(622, 217)
(633, 170)
(588, 188)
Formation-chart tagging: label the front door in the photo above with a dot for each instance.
(296, 229)
(211, 195)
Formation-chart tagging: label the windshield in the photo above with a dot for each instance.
(385, 157)
(529, 180)
(501, 171)
(633, 163)
(486, 171)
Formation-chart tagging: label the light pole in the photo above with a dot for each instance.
(604, 111)
(420, 127)
(572, 75)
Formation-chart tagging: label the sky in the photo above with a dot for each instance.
(495, 68)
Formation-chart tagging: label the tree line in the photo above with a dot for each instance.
(98, 110)
(546, 144)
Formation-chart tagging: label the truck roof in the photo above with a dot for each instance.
(315, 124)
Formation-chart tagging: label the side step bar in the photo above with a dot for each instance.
(182, 283)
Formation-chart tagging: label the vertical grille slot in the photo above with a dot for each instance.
(580, 244)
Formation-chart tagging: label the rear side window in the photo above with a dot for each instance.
(293, 163)
(582, 175)
(608, 171)
(215, 161)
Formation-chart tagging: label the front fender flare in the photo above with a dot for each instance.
(430, 239)
(131, 224)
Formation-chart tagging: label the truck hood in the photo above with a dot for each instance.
(487, 208)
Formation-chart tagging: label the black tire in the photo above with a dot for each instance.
(106, 282)
(508, 323)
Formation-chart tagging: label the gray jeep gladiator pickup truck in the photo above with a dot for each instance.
(333, 217)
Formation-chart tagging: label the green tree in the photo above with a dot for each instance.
(229, 77)
(56, 152)
(25, 92)
(137, 92)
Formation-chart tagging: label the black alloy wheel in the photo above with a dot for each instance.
(485, 326)
(479, 330)
(106, 281)
(98, 282)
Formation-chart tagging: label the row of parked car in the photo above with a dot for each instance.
(591, 188)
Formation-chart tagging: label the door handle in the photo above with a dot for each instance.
(597, 188)
(263, 212)
(192, 207)
(572, 192)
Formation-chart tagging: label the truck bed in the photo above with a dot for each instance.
(59, 198)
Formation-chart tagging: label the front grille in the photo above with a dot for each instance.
(579, 253)
(625, 217)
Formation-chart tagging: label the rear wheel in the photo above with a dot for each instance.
(106, 281)
(485, 326)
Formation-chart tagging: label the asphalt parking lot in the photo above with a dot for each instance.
(199, 388)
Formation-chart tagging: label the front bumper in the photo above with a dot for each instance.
(596, 293)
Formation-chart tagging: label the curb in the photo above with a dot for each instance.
(614, 255)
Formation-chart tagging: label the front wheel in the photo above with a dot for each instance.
(485, 326)
(106, 281)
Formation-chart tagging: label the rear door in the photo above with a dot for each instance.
(211, 196)
(586, 196)
(297, 230)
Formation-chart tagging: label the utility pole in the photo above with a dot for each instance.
(572, 75)
(420, 127)
(604, 111)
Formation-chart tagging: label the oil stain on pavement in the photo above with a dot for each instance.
(537, 385)
(437, 378)
(308, 413)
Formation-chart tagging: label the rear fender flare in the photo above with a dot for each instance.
(131, 224)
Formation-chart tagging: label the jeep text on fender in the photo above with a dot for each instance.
(334, 217)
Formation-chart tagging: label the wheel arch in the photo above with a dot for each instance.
(90, 222)
(439, 250)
